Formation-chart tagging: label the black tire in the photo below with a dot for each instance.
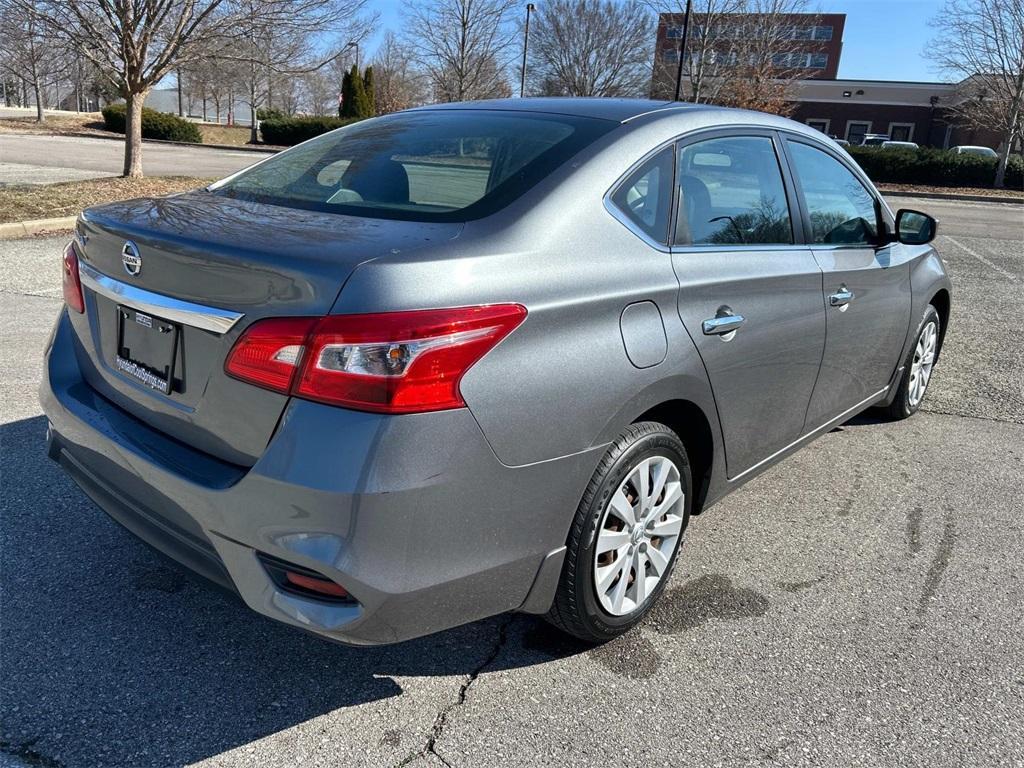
(577, 609)
(901, 407)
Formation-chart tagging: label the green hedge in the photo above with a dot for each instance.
(155, 125)
(936, 167)
(287, 131)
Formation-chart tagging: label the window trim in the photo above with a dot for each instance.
(884, 221)
(868, 123)
(910, 136)
(826, 120)
(788, 183)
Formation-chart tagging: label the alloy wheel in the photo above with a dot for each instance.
(921, 367)
(638, 534)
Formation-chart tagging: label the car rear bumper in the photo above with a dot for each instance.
(413, 515)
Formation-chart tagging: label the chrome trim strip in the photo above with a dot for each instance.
(185, 312)
(814, 432)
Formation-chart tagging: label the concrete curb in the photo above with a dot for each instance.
(952, 196)
(19, 229)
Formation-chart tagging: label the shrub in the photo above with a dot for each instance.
(155, 125)
(936, 167)
(287, 131)
(269, 113)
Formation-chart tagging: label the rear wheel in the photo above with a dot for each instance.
(917, 371)
(625, 536)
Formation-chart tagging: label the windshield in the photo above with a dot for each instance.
(443, 165)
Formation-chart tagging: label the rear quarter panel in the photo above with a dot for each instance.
(562, 383)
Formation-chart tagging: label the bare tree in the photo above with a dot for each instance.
(741, 53)
(278, 40)
(709, 54)
(981, 42)
(134, 44)
(28, 52)
(463, 45)
(592, 48)
(398, 84)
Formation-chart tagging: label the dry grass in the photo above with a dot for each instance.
(86, 122)
(233, 135)
(23, 203)
(982, 191)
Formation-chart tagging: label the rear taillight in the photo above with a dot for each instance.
(270, 352)
(71, 282)
(393, 362)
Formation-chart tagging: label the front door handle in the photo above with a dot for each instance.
(842, 297)
(724, 323)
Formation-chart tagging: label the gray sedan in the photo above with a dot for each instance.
(477, 358)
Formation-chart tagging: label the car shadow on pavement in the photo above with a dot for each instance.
(114, 654)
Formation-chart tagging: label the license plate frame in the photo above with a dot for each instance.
(147, 348)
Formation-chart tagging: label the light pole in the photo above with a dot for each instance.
(526, 44)
(682, 48)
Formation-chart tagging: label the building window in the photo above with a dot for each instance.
(818, 61)
(823, 33)
(901, 131)
(856, 130)
(670, 54)
(800, 60)
(673, 32)
(819, 124)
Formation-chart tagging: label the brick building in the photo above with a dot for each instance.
(809, 43)
(811, 46)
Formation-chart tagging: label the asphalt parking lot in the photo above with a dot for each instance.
(859, 604)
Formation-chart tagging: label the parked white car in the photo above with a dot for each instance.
(979, 151)
(900, 145)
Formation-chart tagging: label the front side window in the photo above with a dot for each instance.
(842, 210)
(645, 197)
(433, 165)
(731, 192)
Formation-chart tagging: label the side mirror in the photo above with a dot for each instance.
(914, 227)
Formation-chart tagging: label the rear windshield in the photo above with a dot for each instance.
(444, 165)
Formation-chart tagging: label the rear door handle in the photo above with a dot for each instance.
(723, 323)
(842, 297)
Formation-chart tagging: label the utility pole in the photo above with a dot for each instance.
(526, 44)
(682, 48)
(181, 112)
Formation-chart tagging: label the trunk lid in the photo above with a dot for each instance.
(205, 256)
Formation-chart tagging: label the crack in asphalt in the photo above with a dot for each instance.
(936, 412)
(430, 748)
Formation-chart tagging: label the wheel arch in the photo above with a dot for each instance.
(942, 302)
(687, 419)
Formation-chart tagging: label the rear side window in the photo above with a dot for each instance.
(645, 197)
(842, 210)
(731, 192)
(443, 165)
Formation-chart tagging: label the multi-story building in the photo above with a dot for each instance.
(808, 43)
(807, 47)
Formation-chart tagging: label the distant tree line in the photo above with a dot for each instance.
(288, 57)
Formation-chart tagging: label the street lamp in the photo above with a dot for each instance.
(682, 48)
(526, 43)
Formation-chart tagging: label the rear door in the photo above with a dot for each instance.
(866, 287)
(750, 292)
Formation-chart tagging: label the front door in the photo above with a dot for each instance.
(866, 287)
(749, 297)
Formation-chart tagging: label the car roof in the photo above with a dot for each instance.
(617, 110)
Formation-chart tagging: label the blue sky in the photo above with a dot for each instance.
(884, 39)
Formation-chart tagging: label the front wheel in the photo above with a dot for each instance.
(918, 367)
(625, 536)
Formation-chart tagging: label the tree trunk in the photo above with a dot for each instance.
(40, 117)
(253, 130)
(133, 135)
(1010, 135)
